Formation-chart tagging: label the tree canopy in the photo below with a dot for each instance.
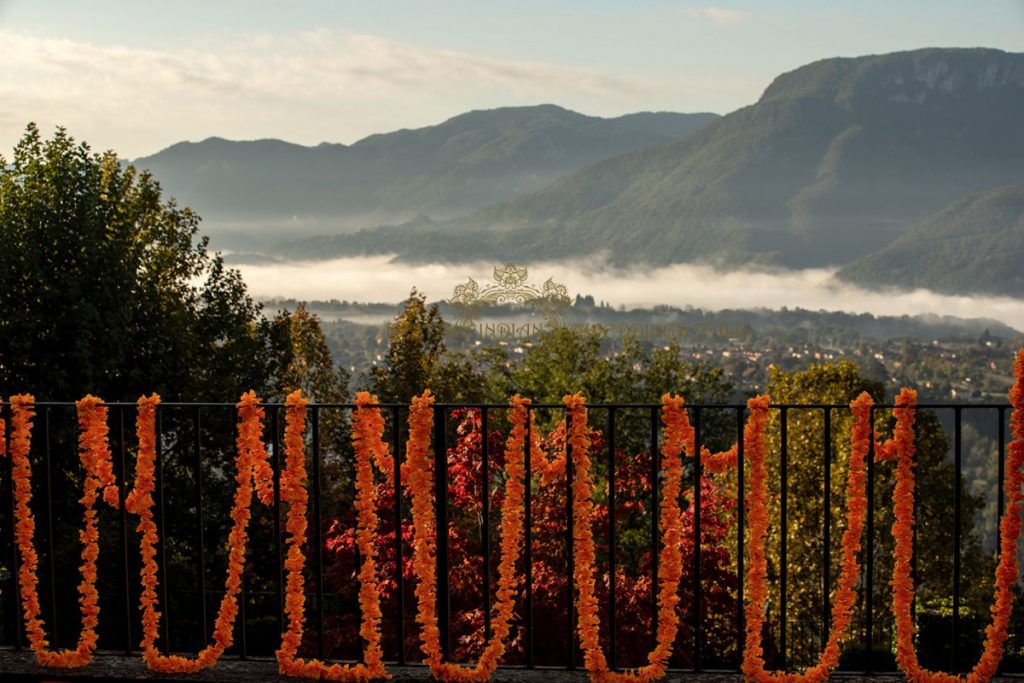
(106, 287)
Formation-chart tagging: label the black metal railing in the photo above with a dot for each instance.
(194, 449)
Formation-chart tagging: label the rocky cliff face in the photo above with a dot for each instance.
(904, 77)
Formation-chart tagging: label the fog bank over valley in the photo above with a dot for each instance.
(379, 279)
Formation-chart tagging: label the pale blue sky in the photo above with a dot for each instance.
(138, 76)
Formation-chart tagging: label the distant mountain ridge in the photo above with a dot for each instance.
(460, 165)
(836, 160)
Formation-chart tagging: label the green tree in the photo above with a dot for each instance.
(417, 358)
(107, 288)
(302, 359)
(840, 383)
(566, 360)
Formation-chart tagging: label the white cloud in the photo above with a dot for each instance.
(718, 15)
(377, 279)
(307, 87)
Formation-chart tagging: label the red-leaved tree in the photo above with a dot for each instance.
(635, 607)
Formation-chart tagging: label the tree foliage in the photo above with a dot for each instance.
(840, 383)
(106, 288)
(417, 358)
(635, 615)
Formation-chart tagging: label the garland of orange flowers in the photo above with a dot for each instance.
(669, 558)
(856, 507)
(254, 474)
(367, 428)
(421, 481)
(140, 502)
(548, 467)
(94, 454)
(903, 530)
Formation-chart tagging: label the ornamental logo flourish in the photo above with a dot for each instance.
(510, 286)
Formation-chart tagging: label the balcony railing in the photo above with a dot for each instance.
(195, 446)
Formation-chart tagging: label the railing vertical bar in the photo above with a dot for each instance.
(698, 630)
(1000, 495)
(275, 441)
(197, 447)
(958, 469)
(913, 559)
(161, 525)
(15, 559)
(528, 547)
(570, 609)
(121, 484)
(740, 514)
(826, 525)
(869, 566)
(396, 447)
(655, 535)
(485, 509)
(612, 627)
(48, 457)
(242, 612)
(783, 531)
(441, 515)
(243, 621)
(315, 429)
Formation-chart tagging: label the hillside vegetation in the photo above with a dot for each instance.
(974, 245)
(836, 160)
(252, 188)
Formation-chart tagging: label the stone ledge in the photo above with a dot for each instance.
(19, 666)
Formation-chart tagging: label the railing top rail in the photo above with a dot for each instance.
(541, 406)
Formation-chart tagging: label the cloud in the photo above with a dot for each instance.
(377, 279)
(718, 15)
(315, 86)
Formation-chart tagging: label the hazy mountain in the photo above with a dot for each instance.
(836, 160)
(975, 245)
(455, 167)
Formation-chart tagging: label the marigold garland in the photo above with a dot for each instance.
(670, 556)
(368, 410)
(903, 531)
(421, 481)
(552, 467)
(140, 502)
(846, 596)
(367, 428)
(94, 455)
(254, 474)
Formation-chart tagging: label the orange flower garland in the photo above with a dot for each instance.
(549, 468)
(368, 413)
(367, 428)
(420, 474)
(670, 556)
(140, 502)
(903, 530)
(95, 458)
(254, 474)
(846, 596)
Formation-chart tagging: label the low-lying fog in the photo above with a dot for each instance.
(376, 279)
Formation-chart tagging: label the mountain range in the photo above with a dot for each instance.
(900, 169)
(278, 190)
(836, 160)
